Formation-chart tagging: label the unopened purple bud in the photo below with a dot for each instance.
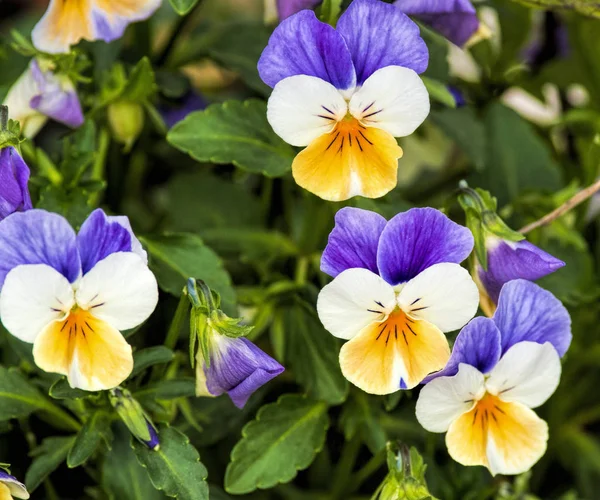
(154, 442)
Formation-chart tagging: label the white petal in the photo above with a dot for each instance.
(393, 99)
(302, 108)
(353, 300)
(444, 399)
(18, 101)
(33, 296)
(120, 290)
(443, 294)
(528, 373)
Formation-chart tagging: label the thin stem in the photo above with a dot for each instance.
(372, 466)
(344, 468)
(3, 117)
(177, 323)
(62, 415)
(571, 203)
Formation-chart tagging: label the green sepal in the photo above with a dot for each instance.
(230, 327)
(5, 467)
(132, 414)
(10, 130)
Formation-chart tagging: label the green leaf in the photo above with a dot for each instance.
(149, 357)
(361, 415)
(439, 92)
(312, 353)
(182, 7)
(175, 468)
(294, 428)
(250, 244)
(517, 158)
(122, 476)
(141, 84)
(96, 429)
(167, 389)
(330, 11)
(73, 204)
(62, 390)
(234, 132)
(18, 398)
(48, 457)
(586, 7)
(175, 257)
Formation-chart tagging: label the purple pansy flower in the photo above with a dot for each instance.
(71, 294)
(237, 367)
(286, 8)
(398, 286)
(500, 369)
(510, 260)
(455, 19)
(40, 94)
(14, 178)
(174, 113)
(66, 23)
(11, 488)
(345, 94)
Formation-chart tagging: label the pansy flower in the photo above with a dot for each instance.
(510, 260)
(398, 287)
(456, 20)
(71, 295)
(14, 179)
(345, 94)
(500, 369)
(11, 488)
(65, 23)
(39, 94)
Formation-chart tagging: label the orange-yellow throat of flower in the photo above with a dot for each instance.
(350, 160)
(398, 348)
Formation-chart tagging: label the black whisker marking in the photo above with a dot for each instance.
(379, 303)
(475, 417)
(359, 144)
(404, 335)
(373, 311)
(411, 330)
(88, 325)
(55, 310)
(64, 325)
(333, 140)
(506, 390)
(372, 114)
(350, 139)
(326, 117)
(396, 331)
(341, 145)
(388, 337)
(419, 308)
(499, 409)
(494, 417)
(327, 109)
(381, 332)
(369, 106)
(365, 138)
(97, 305)
(415, 301)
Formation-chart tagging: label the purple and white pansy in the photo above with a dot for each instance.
(40, 94)
(345, 94)
(71, 295)
(397, 288)
(237, 367)
(11, 488)
(499, 370)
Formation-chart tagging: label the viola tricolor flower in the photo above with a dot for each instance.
(500, 369)
(456, 20)
(70, 295)
(14, 178)
(511, 260)
(398, 287)
(345, 94)
(11, 488)
(40, 94)
(237, 367)
(65, 23)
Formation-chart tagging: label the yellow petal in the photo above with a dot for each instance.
(399, 348)
(507, 438)
(65, 23)
(123, 8)
(92, 354)
(5, 492)
(351, 160)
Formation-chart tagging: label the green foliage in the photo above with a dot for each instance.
(182, 7)
(175, 468)
(294, 427)
(46, 459)
(237, 133)
(587, 7)
(94, 431)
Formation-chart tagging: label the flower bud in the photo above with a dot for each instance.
(134, 417)
(126, 120)
(14, 178)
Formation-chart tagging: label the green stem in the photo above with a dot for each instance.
(301, 270)
(177, 322)
(372, 466)
(344, 468)
(61, 415)
(3, 117)
(179, 28)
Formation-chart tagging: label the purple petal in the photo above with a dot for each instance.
(508, 260)
(528, 312)
(478, 344)
(454, 19)
(99, 237)
(353, 241)
(238, 368)
(14, 178)
(380, 35)
(286, 8)
(55, 98)
(16, 488)
(110, 24)
(154, 442)
(175, 113)
(415, 240)
(303, 45)
(38, 237)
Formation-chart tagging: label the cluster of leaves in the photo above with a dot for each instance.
(214, 199)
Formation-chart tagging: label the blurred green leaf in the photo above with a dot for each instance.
(150, 356)
(182, 7)
(293, 428)
(47, 457)
(96, 429)
(586, 7)
(361, 415)
(439, 92)
(62, 390)
(18, 398)
(175, 467)
(330, 11)
(237, 133)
